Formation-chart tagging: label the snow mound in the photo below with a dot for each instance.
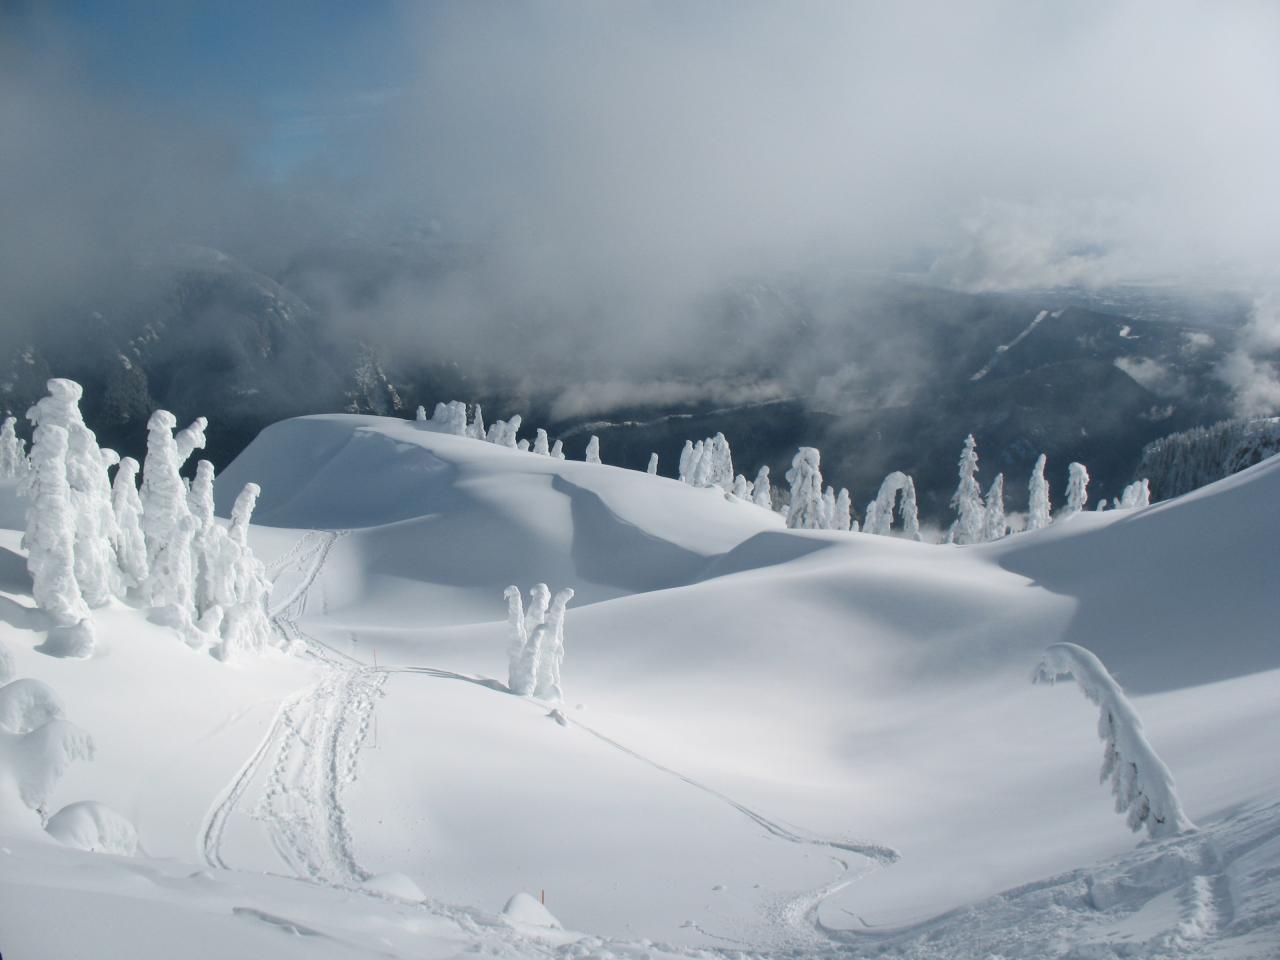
(26, 704)
(396, 885)
(75, 641)
(528, 910)
(92, 826)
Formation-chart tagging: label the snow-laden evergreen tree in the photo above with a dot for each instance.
(94, 558)
(1077, 490)
(994, 525)
(741, 488)
(686, 462)
(721, 472)
(842, 515)
(200, 505)
(593, 449)
(805, 477)
(522, 445)
(518, 636)
(899, 489)
(551, 659)
(967, 500)
(761, 492)
(189, 439)
(421, 414)
(240, 587)
(475, 429)
(130, 545)
(1038, 516)
(450, 418)
(652, 469)
(50, 530)
(164, 505)
(1136, 494)
(557, 450)
(172, 582)
(1140, 781)
(541, 446)
(526, 676)
(13, 452)
(828, 509)
(503, 432)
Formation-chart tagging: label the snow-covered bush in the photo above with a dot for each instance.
(503, 432)
(541, 446)
(1038, 516)
(557, 450)
(26, 704)
(967, 500)
(593, 450)
(475, 429)
(805, 477)
(450, 418)
(13, 452)
(994, 525)
(1077, 490)
(652, 469)
(420, 415)
(1140, 781)
(37, 743)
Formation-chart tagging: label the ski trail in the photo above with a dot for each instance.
(313, 744)
(1004, 348)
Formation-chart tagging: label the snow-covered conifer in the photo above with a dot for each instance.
(94, 559)
(518, 636)
(548, 686)
(13, 454)
(130, 545)
(541, 446)
(421, 415)
(686, 462)
(200, 505)
(50, 530)
(994, 526)
(189, 439)
(557, 450)
(741, 488)
(475, 429)
(652, 469)
(522, 445)
(1140, 781)
(761, 494)
(172, 581)
(805, 477)
(829, 509)
(593, 449)
(164, 500)
(967, 500)
(1038, 516)
(1136, 494)
(1077, 490)
(721, 473)
(842, 516)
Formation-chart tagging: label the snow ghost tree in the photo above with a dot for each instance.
(1038, 510)
(421, 415)
(13, 454)
(450, 418)
(686, 462)
(190, 438)
(50, 530)
(761, 494)
(967, 500)
(236, 614)
(828, 509)
(475, 429)
(994, 526)
(805, 477)
(1136, 494)
(842, 516)
(551, 659)
(1141, 783)
(164, 504)
(652, 469)
(557, 450)
(130, 545)
(900, 489)
(1077, 490)
(94, 557)
(540, 444)
(518, 637)
(593, 449)
(522, 445)
(741, 489)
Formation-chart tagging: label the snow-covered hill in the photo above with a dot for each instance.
(787, 742)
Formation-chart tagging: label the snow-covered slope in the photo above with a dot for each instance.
(771, 740)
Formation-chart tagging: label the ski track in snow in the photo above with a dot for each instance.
(1004, 348)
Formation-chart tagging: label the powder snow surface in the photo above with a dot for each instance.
(773, 741)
